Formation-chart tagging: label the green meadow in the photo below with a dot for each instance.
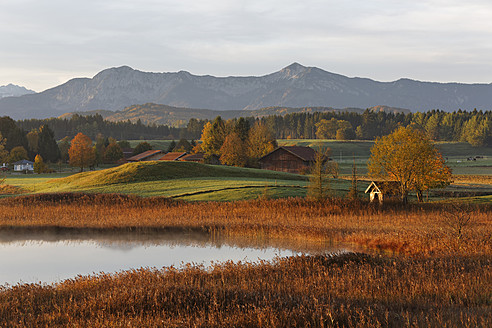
(201, 182)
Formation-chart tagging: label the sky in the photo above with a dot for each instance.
(46, 43)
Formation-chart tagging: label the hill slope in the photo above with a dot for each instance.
(161, 170)
(293, 86)
(180, 116)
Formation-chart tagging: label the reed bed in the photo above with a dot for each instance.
(421, 230)
(350, 290)
(436, 269)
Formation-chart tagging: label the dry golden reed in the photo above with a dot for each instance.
(438, 272)
(419, 229)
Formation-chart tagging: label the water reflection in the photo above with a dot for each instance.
(53, 255)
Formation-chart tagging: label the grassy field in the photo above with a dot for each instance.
(183, 180)
(191, 181)
(422, 267)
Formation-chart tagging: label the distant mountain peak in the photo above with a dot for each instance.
(294, 70)
(12, 90)
(295, 66)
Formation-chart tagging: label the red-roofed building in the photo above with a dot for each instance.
(292, 159)
(149, 155)
(197, 158)
(172, 156)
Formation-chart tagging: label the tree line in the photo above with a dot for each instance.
(474, 127)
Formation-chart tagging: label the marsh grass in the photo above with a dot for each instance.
(416, 273)
(349, 290)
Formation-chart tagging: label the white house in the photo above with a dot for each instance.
(24, 166)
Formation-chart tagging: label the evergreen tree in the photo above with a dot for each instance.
(112, 153)
(241, 128)
(141, 147)
(354, 188)
(319, 183)
(171, 146)
(13, 135)
(47, 146)
(64, 146)
(183, 145)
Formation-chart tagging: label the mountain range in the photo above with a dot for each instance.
(12, 90)
(293, 86)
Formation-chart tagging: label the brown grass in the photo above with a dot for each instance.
(417, 230)
(441, 275)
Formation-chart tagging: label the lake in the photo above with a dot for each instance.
(53, 256)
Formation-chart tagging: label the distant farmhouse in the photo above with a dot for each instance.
(291, 159)
(24, 166)
(380, 191)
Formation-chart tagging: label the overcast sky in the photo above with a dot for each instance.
(45, 43)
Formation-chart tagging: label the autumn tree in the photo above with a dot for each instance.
(81, 152)
(213, 136)
(477, 131)
(410, 158)
(17, 154)
(261, 141)
(233, 151)
(39, 166)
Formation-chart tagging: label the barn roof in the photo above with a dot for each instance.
(172, 156)
(192, 157)
(304, 153)
(143, 156)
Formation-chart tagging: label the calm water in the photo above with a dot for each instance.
(48, 257)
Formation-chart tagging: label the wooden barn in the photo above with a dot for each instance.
(382, 190)
(291, 159)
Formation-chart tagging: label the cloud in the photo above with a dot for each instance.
(430, 39)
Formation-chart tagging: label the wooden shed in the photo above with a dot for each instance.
(382, 190)
(291, 159)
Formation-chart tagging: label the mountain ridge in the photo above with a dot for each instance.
(293, 86)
